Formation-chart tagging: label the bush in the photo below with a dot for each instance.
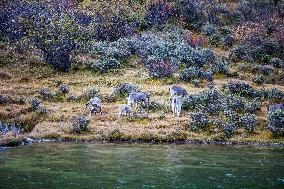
(63, 89)
(249, 122)
(35, 103)
(46, 93)
(229, 128)
(258, 79)
(80, 124)
(160, 68)
(21, 100)
(209, 30)
(198, 120)
(252, 107)
(105, 65)
(276, 122)
(232, 103)
(192, 73)
(123, 90)
(158, 14)
(228, 40)
(277, 62)
(49, 27)
(89, 93)
(189, 12)
(5, 99)
(232, 116)
(240, 88)
(275, 95)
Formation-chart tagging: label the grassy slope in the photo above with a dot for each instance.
(30, 75)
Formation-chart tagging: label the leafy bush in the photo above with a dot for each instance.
(4, 99)
(160, 68)
(105, 65)
(252, 107)
(35, 103)
(63, 89)
(258, 79)
(49, 27)
(240, 88)
(192, 73)
(89, 93)
(231, 102)
(277, 62)
(80, 124)
(21, 100)
(209, 30)
(46, 93)
(198, 120)
(275, 94)
(232, 116)
(189, 12)
(276, 122)
(229, 128)
(122, 90)
(158, 13)
(249, 122)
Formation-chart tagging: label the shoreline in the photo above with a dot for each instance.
(30, 141)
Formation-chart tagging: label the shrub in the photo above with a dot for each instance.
(195, 41)
(240, 88)
(89, 93)
(63, 89)
(249, 122)
(258, 79)
(189, 12)
(158, 13)
(252, 107)
(80, 124)
(191, 101)
(21, 100)
(4, 99)
(240, 53)
(276, 122)
(209, 30)
(42, 110)
(220, 67)
(123, 90)
(72, 97)
(277, 62)
(232, 103)
(35, 103)
(46, 93)
(229, 128)
(105, 65)
(228, 40)
(49, 27)
(275, 94)
(192, 73)
(232, 116)
(4, 128)
(160, 68)
(198, 120)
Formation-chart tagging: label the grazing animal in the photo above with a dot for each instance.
(176, 104)
(177, 90)
(276, 107)
(124, 110)
(138, 97)
(96, 105)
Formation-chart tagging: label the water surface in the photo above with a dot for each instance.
(87, 165)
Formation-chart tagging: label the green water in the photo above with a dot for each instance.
(86, 165)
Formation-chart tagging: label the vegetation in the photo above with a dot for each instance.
(57, 55)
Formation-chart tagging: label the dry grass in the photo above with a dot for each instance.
(29, 76)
